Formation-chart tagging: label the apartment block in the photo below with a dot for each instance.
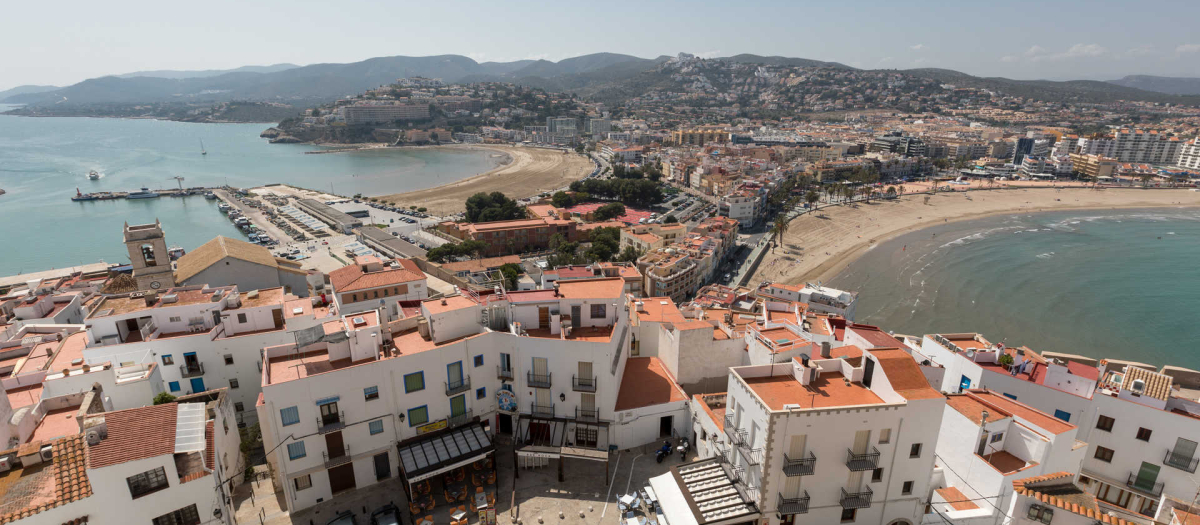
(379, 114)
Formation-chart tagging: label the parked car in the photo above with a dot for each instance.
(343, 518)
(386, 515)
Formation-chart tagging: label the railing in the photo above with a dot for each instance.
(753, 456)
(538, 380)
(737, 437)
(541, 410)
(458, 386)
(340, 459)
(456, 420)
(583, 384)
(799, 467)
(856, 500)
(583, 414)
(332, 422)
(1180, 461)
(793, 505)
(191, 370)
(865, 461)
(1146, 486)
(505, 374)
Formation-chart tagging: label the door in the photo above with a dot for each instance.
(277, 316)
(586, 379)
(666, 425)
(1182, 454)
(982, 447)
(541, 370)
(868, 372)
(197, 385)
(341, 478)
(383, 467)
(506, 362)
(587, 404)
(335, 445)
(542, 397)
(861, 439)
(505, 424)
(576, 315)
(458, 405)
(192, 362)
(454, 374)
(329, 413)
(544, 317)
(1147, 476)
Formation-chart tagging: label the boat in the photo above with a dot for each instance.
(92, 175)
(202, 152)
(210, 196)
(79, 196)
(145, 193)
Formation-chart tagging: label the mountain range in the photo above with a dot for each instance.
(609, 75)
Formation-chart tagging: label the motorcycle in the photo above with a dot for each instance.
(684, 447)
(663, 452)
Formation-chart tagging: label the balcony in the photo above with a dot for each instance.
(544, 411)
(753, 456)
(191, 370)
(331, 422)
(1144, 485)
(589, 415)
(737, 437)
(538, 380)
(799, 467)
(342, 457)
(456, 420)
(504, 374)
(864, 461)
(583, 384)
(856, 500)
(458, 386)
(793, 505)
(1180, 461)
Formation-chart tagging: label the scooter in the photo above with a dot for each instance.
(663, 452)
(684, 447)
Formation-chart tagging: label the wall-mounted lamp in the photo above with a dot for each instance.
(562, 397)
(401, 416)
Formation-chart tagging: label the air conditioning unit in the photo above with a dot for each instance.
(5, 464)
(47, 453)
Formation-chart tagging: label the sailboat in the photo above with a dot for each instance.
(202, 152)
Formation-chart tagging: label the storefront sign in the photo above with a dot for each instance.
(430, 427)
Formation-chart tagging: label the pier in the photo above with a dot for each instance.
(111, 195)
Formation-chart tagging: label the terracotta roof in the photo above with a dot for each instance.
(66, 479)
(601, 288)
(1043, 420)
(211, 252)
(646, 382)
(1059, 491)
(351, 278)
(1157, 385)
(872, 334)
(1084, 371)
(136, 433)
(904, 374)
(956, 499)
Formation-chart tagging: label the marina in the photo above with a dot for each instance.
(144, 193)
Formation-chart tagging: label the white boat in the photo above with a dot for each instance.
(202, 152)
(145, 193)
(92, 175)
(210, 196)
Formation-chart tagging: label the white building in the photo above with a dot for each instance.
(369, 283)
(1189, 155)
(818, 298)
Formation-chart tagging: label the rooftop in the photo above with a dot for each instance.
(997, 402)
(1059, 490)
(211, 252)
(136, 433)
(956, 499)
(352, 277)
(828, 390)
(903, 374)
(125, 304)
(305, 364)
(646, 382)
(448, 304)
(599, 288)
(29, 491)
(1154, 384)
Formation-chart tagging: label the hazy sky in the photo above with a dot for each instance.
(64, 41)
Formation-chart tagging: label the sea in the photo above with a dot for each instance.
(43, 161)
(1107, 283)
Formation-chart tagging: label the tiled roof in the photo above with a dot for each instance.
(1074, 501)
(351, 278)
(1157, 385)
(70, 482)
(646, 382)
(136, 433)
(211, 252)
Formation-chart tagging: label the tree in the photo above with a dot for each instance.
(609, 211)
(606, 243)
(811, 198)
(163, 398)
(1145, 179)
(780, 228)
(562, 199)
(671, 219)
(494, 206)
(511, 272)
(629, 254)
(422, 209)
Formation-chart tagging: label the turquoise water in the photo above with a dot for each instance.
(43, 161)
(1119, 283)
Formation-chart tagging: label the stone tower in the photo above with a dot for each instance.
(148, 252)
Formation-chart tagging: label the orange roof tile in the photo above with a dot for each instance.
(956, 499)
(1028, 487)
(351, 278)
(646, 382)
(136, 433)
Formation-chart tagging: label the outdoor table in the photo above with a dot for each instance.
(650, 495)
(458, 515)
(480, 500)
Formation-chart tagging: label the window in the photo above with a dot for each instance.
(296, 450)
(173, 319)
(147, 482)
(996, 437)
(1143, 434)
(479, 360)
(877, 475)
(480, 392)
(915, 451)
(233, 384)
(242, 318)
(376, 294)
(303, 482)
(418, 416)
(1063, 415)
(185, 516)
(414, 382)
(238, 406)
(174, 386)
(1010, 396)
(289, 416)
(599, 311)
(885, 436)
(1104, 454)
(376, 427)
(906, 488)
(371, 392)
(354, 297)
(848, 515)
(1105, 423)
(229, 359)
(168, 360)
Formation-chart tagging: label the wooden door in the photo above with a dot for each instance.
(544, 317)
(341, 478)
(335, 446)
(576, 315)
(277, 316)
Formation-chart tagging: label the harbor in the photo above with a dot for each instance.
(143, 193)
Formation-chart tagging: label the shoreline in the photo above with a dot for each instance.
(849, 242)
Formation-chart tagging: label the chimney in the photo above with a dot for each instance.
(151, 297)
(825, 348)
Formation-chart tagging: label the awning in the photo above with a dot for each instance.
(328, 400)
(445, 451)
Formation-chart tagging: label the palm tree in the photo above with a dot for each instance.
(780, 228)
(811, 198)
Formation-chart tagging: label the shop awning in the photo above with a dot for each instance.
(444, 451)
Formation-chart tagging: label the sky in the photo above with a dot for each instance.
(66, 41)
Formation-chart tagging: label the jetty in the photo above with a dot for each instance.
(110, 195)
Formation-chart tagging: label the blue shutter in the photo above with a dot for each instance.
(296, 450)
(174, 386)
(289, 416)
(376, 427)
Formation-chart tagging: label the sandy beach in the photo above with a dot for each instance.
(529, 172)
(819, 245)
